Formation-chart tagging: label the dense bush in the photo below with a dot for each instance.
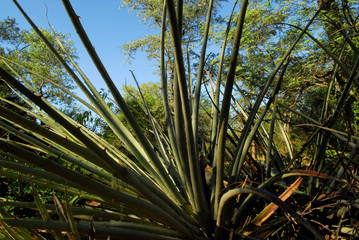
(242, 179)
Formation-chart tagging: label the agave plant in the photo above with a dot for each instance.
(156, 190)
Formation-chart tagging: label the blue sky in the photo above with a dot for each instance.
(107, 26)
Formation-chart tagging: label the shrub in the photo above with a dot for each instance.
(157, 190)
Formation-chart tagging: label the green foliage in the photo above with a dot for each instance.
(9, 31)
(187, 172)
(150, 12)
(152, 95)
(356, 114)
(24, 51)
(310, 68)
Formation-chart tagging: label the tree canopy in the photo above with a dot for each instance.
(262, 144)
(309, 68)
(23, 51)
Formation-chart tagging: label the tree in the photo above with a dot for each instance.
(149, 13)
(192, 23)
(310, 67)
(155, 190)
(25, 52)
(151, 93)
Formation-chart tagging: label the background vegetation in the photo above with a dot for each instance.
(252, 131)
